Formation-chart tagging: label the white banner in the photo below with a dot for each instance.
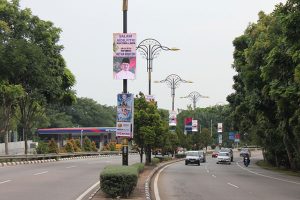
(172, 118)
(220, 127)
(124, 129)
(220, 139)
(194, 125)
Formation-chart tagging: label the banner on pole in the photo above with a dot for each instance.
(194, 125)
(188, 124)
(172, 118)
(125, 113)
(220, 127)
(124, 56)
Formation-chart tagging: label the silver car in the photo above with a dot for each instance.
(224, 157)
(192, 157)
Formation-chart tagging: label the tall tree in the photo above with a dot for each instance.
(31, 57)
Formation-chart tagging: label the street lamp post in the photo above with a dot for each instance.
(194, 97)
(150, 49)
(173, 81)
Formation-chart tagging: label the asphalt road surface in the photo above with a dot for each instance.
(62, 180)
(211, 181)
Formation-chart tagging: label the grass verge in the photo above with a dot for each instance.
(267, 166)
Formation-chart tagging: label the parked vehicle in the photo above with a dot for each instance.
(202, 156)
(192, 157)
(245, 151)
(224, 157)
(215, 154)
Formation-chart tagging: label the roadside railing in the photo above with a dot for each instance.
(26, 157)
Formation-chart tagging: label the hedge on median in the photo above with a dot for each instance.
(120, 180)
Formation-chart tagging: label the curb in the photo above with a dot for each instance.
(6, 164)
(149, 178)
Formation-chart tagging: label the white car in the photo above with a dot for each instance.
(192, 157)
(224, 157)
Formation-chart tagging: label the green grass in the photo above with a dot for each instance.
(268, 166)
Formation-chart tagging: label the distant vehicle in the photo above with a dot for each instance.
(202, 156)
(245, 151)
(215, 154)
(224, 157)
(192, 157)
(228, 150)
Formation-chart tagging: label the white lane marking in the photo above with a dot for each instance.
(205, 167)
(40, 173)
(207, 171)
(156, 193)
(233, 185)
(87, 191)
(5, 181)
(279, 179)
(70, 167)
(213, 176)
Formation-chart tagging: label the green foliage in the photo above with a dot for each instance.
(42, 148)
(118, 180)
(94, 148)
(69, 147)
(87, 144)
(155, 161)
(52, 145)
(265, 105)
(149, 128)
(140, 166)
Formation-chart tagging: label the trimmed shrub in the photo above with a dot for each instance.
(76, 145)
(87, 144)
(52, 145)
(94, 148)
(42, 148)
(69, 147)
(155, 161)
(118, 180)
(139, 166)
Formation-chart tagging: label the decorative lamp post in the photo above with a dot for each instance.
(194, 97)
(150, 49)
(173, 81)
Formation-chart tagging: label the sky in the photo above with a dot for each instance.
(202, 30)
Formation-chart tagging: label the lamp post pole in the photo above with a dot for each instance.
(173, 81)
(194, 97)
(150, 49)
(125, 140)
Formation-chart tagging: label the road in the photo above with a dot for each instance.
(62, 180)
(211, 181)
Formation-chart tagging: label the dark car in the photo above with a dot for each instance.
(202, 156)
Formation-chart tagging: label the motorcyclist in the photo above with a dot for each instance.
(246, 159)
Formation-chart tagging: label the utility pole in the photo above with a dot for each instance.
(125, 140)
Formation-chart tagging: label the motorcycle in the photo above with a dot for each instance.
(246, 161)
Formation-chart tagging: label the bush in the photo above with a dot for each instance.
(52, 145)
(94, 148)
(87, 144)
(139, 166)
(155, 161)
(179, 155)
(118, 180)
(76, 145)
(69, 147)
(42, 148)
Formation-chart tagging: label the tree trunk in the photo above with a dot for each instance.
(25, 141)
(6, 143)
(141, 154)
(289, 153)
(148, 154)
